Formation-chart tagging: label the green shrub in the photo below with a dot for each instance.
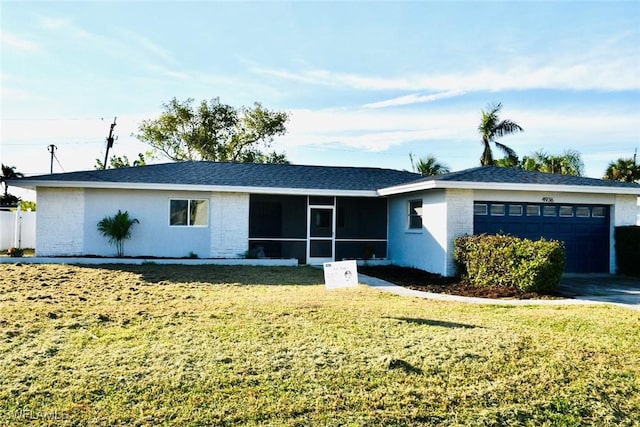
(527, 265)
(628, 249)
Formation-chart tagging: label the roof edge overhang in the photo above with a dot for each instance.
(504, 186)
(35, 184)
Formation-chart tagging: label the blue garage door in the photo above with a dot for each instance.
(584, 229)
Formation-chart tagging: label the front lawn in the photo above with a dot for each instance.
(213, 345)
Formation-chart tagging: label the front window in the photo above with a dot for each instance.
(193, 212)
(415, 214)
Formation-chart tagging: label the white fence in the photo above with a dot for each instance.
(17, 229)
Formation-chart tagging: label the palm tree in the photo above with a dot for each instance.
(428, 166)
(568, 163)
(8, 172)
(491, 128)
(625, 170)
(118, 229)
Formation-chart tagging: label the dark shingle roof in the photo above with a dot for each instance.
(241, 175)
(519, 176)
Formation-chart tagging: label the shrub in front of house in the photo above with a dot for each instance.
(628, 249)
(527, 265)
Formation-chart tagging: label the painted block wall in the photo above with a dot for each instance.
(153, 236)
(459, 223)
(229, 224)
(59, 229)
(425, 248)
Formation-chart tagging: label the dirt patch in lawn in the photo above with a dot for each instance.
(420, 280)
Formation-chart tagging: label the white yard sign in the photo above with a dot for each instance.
(340, 274)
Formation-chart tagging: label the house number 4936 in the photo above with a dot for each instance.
(547, 199)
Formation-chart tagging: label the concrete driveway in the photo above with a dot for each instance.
(602, 288)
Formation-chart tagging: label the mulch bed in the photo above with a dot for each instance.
(420, 280)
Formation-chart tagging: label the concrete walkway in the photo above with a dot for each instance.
(579, 290)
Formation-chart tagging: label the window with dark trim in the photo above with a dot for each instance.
(582, 211)
(497, 210)
(415, 214)
(533, 210)
(480, 209)
(515, 210)
(190, 212)
(566, 211)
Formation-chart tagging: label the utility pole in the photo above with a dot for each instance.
(109, 143)
(52, 149)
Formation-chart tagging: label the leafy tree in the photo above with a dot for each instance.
(568, 163)
(116, 162)
(8, 172)
(491, 128)
(428, 166)
(26, 205)
(625, 170)
(118, 229)
(214, 131)
(508, 162)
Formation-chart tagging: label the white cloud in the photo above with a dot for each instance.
(610, 65)
(379, 129)
(19, 43)
(414, 99)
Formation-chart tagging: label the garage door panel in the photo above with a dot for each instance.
(586, 237)
(566, 227)
(533, 228)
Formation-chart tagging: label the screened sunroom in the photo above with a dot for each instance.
(317, 229)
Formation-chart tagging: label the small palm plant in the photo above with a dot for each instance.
(118, 229)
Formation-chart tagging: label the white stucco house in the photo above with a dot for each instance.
(318, 214)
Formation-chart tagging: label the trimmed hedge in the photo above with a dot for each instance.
(527, 265)
(628, 249)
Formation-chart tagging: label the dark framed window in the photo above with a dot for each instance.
(415, 214)
(566, 211)
(189, 212)
(533, 210)
(515, 210)
(598, 212)
(582, 211)
(480, 209)
(497, 210)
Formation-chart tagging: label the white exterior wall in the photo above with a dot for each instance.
(425, 248)
(230, 224)
(153, 236)
(446, 214)
(59, 229)
(459, 222)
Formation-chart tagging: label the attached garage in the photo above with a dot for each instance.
(427, 215)
(583, 228)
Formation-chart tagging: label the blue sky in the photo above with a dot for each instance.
(365, 83)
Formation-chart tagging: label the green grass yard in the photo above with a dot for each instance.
(204, 345)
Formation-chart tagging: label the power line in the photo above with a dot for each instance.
(16, 144)
(58, 161)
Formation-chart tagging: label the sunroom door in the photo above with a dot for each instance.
(321, 233)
